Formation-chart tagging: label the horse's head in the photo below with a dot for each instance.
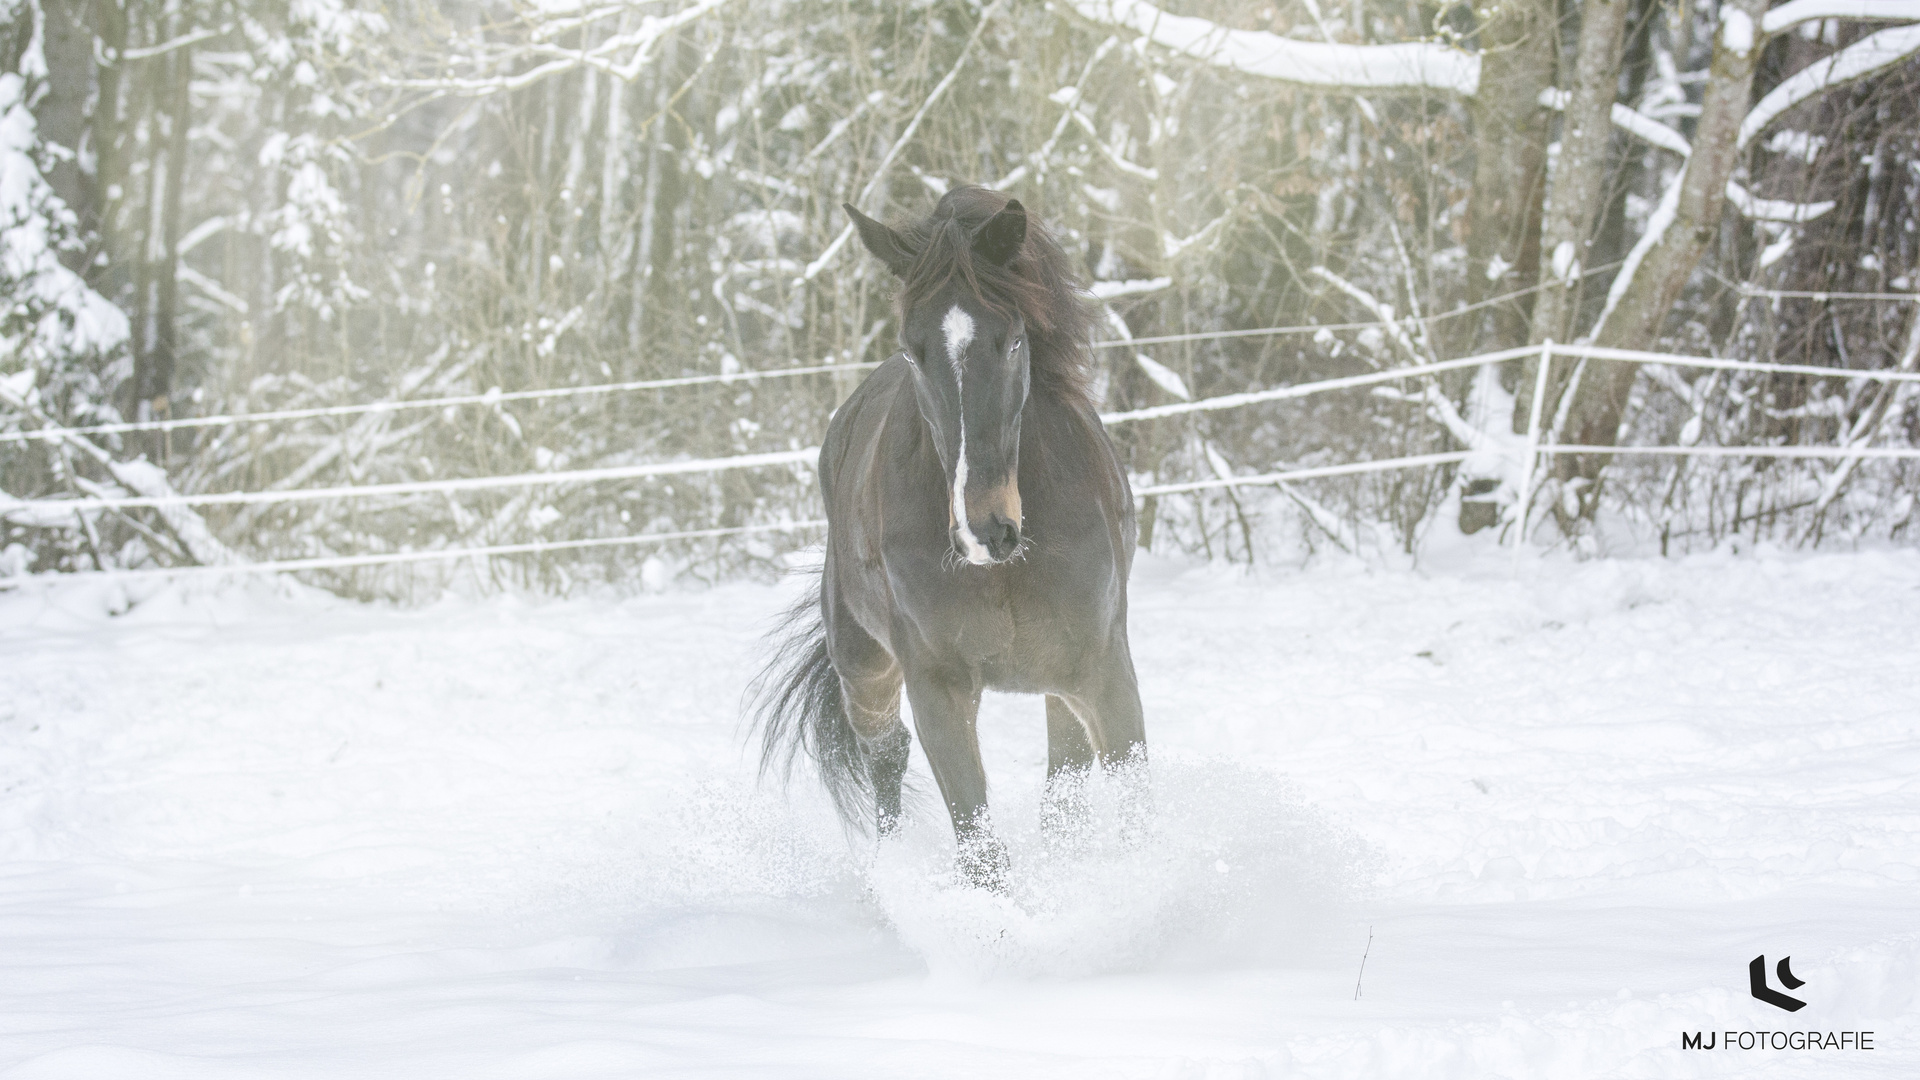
(968, 347)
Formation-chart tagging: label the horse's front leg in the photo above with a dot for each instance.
(1107, 703)
(946, 709)
(1067, 744)
(1111, 725)
(1069, 756)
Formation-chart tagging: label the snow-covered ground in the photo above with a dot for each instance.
(254, 833)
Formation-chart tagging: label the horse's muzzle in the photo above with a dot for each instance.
(998, 534)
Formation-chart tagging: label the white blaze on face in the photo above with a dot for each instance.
(959, 329)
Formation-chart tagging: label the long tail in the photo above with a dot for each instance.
(798, 706)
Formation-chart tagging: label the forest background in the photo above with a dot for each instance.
(214, 208)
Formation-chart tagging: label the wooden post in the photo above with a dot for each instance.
(1533, 446)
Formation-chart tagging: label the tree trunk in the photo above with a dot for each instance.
(1579, 183)
(166, 314)
(61, 115)
(1612, 237)
(1510, 126)
(662, 195)
(1661, 263)
(111, 280)
(1509, 171)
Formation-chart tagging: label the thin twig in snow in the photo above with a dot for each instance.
(1363, 964)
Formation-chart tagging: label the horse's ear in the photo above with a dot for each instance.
(887, 246)
(1000, 238)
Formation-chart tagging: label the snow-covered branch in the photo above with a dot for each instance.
(1862, 58)
(1111, 290)
(841, 125)
(1173, 246)
(1346, 539)
(1795, 12)
(1163, 376)
(1407, 66)
(1758, 209)
(212, 288)
(141, 477)
(622, 55)
(1630, 120)
(1657, 224)
(1645, 127)
(1380, 310)
(1068, 96)
(1111, 154)
(1430, 394)
(180, 42)
(547, 25)
(1343, 537)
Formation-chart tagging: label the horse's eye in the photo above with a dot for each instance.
(1018, 343)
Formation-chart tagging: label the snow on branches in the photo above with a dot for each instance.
(1403, 66)
(1794, 12)
(51, 312)
(623, 54)
(1872, 53)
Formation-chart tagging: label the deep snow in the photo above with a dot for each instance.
(258, 832)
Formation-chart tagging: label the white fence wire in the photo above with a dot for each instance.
(496, 396)
(1536, 450)
(342, 562)
(420, 487)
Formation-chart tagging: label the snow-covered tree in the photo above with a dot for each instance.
(316, 203)
(59, 339)
(1561, 232)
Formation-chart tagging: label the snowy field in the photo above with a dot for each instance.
(258, 832)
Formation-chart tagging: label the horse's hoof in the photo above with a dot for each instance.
(1064, 814)
(984, 864)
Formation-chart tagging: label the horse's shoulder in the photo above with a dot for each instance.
(878, 386)
(1074, 466)
(860, 416)
(1072, 427)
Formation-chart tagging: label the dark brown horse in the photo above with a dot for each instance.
(979, 533)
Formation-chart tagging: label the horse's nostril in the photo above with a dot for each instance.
(998, 537)
(1003, 536)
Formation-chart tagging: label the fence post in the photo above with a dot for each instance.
(1533, 446)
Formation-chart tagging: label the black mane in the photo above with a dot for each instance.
(1038, 282)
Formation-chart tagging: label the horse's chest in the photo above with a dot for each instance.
(963, 615)
(993, 623)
